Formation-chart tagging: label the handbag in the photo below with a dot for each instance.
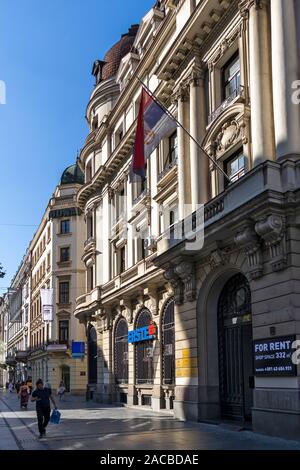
(55, 417)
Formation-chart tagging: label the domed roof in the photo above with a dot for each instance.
(114, 56)
(72, 175)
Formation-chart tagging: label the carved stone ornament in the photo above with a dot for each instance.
(245, 5)
(176, 284)
(231, 131)
(272, 230)
(218, 258)
(249, 242)
(126, 308)
(186, 271)
(225, 45)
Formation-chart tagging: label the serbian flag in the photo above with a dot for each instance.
(152, 126)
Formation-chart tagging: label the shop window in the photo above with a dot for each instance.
(168, 344)
(121, 352)
(92, 356)
(144, 352)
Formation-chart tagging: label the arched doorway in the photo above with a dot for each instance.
(121, 352)
(168, 344)
(235, 349)
(92, 356)
(65, 377)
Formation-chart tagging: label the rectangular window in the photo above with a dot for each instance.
(26, 315)
(231, 77)
(139, 187)
(64, 293)
(48, 261)
(63, 331)
(65, 254)
(65, 226)
(235, 166)
(122, 255)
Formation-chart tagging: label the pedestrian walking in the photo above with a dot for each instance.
(23, 395)
(18, 386)
(10, 387)
(42, 396)
(61, 390)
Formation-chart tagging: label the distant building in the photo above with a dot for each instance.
(56, 264)
(16, 322)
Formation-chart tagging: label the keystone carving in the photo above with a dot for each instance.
(228, 135)
(272, 231)
(217, 258)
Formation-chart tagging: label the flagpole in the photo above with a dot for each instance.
(183, 128)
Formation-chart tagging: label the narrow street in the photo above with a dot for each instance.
(90, 426)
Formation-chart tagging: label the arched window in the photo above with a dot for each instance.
(144, 352)
(121, 352)
(92, 356)
(168, 344)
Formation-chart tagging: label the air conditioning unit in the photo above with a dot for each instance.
(150, 244)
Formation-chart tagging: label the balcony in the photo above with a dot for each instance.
(22, 356)
(11, 361)
(167, 169)
(89, 244)
(237, 95)
(89, 251)
(141, 198)
(87, 304)
(57, 346)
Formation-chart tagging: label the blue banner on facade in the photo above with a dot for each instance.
(78, 349)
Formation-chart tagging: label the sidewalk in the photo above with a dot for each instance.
(93, 426)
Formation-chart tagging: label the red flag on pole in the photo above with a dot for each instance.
(152, 126)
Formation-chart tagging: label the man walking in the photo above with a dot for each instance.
(42, 396)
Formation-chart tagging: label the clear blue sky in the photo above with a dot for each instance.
(47, 49)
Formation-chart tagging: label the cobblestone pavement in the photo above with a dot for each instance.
(87, 426)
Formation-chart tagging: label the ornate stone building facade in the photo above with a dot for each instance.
(221, 67)
(56, 264)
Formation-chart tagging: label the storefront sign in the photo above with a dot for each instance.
(273, 357)
(78, 349)
(61, 213)
(147, 333)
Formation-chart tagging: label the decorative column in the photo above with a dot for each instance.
(199, 161)
(181, 98)
(285, 66)
(262, 129)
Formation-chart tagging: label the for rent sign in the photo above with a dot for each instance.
(273, 357)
